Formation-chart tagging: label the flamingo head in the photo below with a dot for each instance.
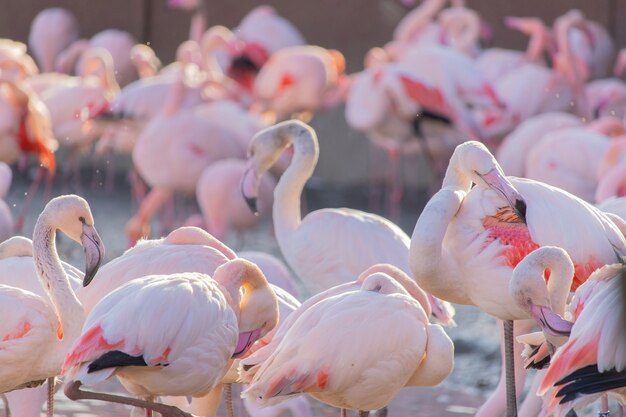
(473, 161)
(264, 151)
(73, 217)
(252, 298)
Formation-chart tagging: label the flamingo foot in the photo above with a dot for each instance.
(73, 392)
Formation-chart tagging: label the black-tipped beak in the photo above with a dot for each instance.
(94, 252)
(496, 180)
(250, 201)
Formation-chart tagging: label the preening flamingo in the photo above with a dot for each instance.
(35, 330)
(187, 350)
(591, 363)
(252, 363)
(329, 246)
(546, 302)
(414, 352)
(482, 233)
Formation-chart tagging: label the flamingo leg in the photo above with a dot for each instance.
(363, 413)
(51, 382)
(73, 392)
(395, 179)
(343, 413)
(604, 406)
(139, 225)
(382, 412)
(511, 396)
(228, 396)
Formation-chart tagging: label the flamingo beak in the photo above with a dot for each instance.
(94, 252)
(497, 181)
(249, 184)
(550, 322)
(246, 339)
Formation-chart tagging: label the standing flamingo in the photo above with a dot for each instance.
(482, 233)
(412, 352)
(185, 351)
(329, 246)
(6, 218)
(51, 32)
(37, 331)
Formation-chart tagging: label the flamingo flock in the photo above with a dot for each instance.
(526, 217)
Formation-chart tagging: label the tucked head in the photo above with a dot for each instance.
(252, 298)
(473, 161)
(383, 284)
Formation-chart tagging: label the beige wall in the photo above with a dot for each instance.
(352, 26)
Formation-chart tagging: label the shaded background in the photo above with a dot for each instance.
(351, 26)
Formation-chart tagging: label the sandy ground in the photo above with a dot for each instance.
(476, 335)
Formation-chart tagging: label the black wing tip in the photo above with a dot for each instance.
(115, 359)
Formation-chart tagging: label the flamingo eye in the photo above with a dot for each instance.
(81, 219)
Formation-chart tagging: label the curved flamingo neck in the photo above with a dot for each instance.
(432, 271)
(417, 20)
(52, 276)
(286, 211)
(455, 176)
(538, 42)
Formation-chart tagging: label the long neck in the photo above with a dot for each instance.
(560, 279)
(430, 269)
(536, 43)
(418, 19)
(286, 212)
(50, 272)
(455, 177)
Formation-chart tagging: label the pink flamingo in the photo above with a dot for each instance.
(38, 327)
(513, 151)
(51, 32)
(187, 142)
(481, 233)
(187, 357)
(320, 248)
(299, 364)
(546, 302)
(574, 376)
(607, 96)
(25, 128)
(300, 79)
(552, 161)
(186, 249)
(119, 43)
(15, 63)
(220, 200)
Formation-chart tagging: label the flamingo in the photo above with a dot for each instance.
(187, 142)
(546, 302)
(275, 271)
(607, 96)
(482, 233)
(220, 200)
(119, 43)
(552, 161)
(591, 363)
(329, 246)
(300, 79)
(51, 32)
(187, 350)
(251, 364)
(513, 151)
(40, 329)
(414, 352)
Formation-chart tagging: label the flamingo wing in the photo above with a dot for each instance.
(154, 321)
